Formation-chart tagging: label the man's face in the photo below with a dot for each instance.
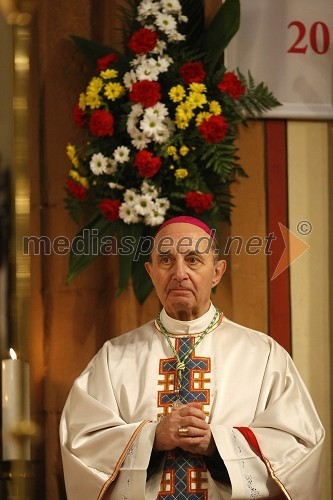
(183, 270)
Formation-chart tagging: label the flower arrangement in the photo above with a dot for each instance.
(160, 123)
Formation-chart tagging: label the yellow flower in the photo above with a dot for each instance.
(182, 123)
(94, 101)
(71, 153)
(114, 91)
(215, 108)
(172, 167)
(95, 85)
(181, 173)
(109, 73)
(201, 117)
(184, 150)
(78, 178)
(82, 101)
(198, 87)
(196, 100)
(184, 114)
(175, 157)
(177, 93)
(171, 150)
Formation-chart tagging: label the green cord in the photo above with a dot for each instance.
(181, 363)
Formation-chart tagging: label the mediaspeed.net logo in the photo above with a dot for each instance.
(294, 246)
(290, 245)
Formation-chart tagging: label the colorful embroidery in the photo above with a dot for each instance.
(195, 383)
(185, 475)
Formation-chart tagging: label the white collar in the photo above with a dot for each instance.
(187, 327)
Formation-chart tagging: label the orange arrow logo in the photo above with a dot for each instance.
(294, 248)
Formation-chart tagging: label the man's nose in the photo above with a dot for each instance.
(180, 272)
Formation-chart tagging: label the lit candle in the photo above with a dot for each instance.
(15, 406)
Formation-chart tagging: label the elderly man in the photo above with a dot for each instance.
(190, 405)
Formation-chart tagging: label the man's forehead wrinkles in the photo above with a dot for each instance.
(171, 241)
(175, 251)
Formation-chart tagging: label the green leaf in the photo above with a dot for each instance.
(142, 284)
(257, 98)
(194, 28)
(221, 30)
(133, 233)
(81, 257)
(93, 50)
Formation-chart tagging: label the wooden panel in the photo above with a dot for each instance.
(309, 201)
(277, 212)
(249, 271)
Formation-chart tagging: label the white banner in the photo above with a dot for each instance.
(288, 44)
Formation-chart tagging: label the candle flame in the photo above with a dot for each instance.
(12, 353)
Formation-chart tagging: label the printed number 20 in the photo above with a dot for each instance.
(315, 31)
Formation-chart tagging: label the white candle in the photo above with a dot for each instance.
(15, 406)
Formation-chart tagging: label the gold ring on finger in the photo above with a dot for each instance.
(183, 431)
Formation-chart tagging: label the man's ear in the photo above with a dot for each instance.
(219, 271)
(149, 269)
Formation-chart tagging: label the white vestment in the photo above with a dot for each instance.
(108, 424)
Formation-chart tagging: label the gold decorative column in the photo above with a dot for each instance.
(18, 14)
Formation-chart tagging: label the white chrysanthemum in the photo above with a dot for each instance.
(171, 6)
(154, 218)
(170, 124)
(166, 22)
(132, 119)
(161, 63)
(121, 154)
(128, 214)
(114, 185)
(151, 125)
(138, 60)
(130, 197)
(150, 189)
(136, 111)
(183, 19)
(144, 204)
(111, 166)
(129, 79)
(162, 205)
(147, 8)
(159, 47)
(98, 163)
(147, 72)
(139, 139)
(162, 137)
(174, 36)
(159, 110)
(151, 27)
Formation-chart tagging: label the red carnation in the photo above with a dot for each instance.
(79, 116)
(231, 85)
(145, 92)
(192, 72)
(110, 208)
(200, 202)
(148, 164)
(143, 41)
(104, 62)
(76, 189)
(214, 129)
(101, 123)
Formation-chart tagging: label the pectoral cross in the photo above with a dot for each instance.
(178, 402)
